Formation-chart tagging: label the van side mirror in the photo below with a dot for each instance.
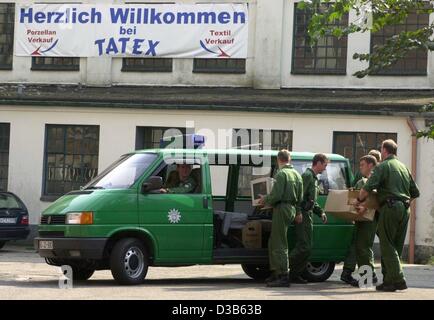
(152, 183)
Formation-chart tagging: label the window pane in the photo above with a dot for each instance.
(147, 64)
(327, 56)
(71, 157)
(4, 154)
(56, 63)
(254, 139)
(7, 13)
(222, 65)
(416, 61)
(354, 145)
(149, 137)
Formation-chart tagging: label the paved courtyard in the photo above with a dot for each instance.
(24, 275)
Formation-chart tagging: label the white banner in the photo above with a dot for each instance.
(139, 30)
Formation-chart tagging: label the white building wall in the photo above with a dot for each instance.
(268, 63)
(118, 130)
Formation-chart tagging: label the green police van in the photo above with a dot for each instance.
(121, 221)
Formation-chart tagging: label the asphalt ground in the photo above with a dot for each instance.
(24, 275)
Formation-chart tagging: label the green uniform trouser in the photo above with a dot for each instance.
(299, 256)
(392, 228)
(283, 215)
(360, 252)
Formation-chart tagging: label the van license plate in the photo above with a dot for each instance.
(8, 220)
(45, 245)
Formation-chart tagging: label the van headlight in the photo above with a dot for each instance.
(84, 217)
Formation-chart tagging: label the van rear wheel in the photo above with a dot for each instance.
(129, 261)
(2, 244)
(81, 273)
(257, 272)
(318, 271)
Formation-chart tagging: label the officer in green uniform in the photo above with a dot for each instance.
(285, 198)
(186, 183)
(360, 251)
(299, 256)
(396, 189)
(359, 175)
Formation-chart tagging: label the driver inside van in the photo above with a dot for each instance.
(185, 182)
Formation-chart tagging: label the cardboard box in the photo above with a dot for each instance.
(252, 235)
(371, 202)
(338, 204)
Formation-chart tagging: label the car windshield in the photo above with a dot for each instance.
(8, 201)
(124, 172)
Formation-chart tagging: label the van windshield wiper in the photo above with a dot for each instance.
(94, 187)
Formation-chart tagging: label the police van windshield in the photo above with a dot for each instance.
(124, 172)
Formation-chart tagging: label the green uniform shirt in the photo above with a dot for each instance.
(287, 187)
(359, 184)
(184, 187)
(392, 179)
(357, 178)
(311, 190)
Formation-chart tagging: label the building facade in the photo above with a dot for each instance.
(63, 120)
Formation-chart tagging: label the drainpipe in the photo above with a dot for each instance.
(412, 240)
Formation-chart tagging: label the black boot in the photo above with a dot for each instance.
(401, 285)
(374, 278)
(272, 277)
(386, 287)
(348, 278)
(281, 281)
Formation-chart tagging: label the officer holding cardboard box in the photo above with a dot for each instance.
(395, 190)
(360, 251)
(304, 230)
(285, 198)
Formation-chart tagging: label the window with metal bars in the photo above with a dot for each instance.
(222, 65)
(416, 61)
(147, 64)
(71, 157)
(354, 145)
(7, 19)
(327, 56)
(247, 139)
(149, 137)
(56, 63)
(4, 154)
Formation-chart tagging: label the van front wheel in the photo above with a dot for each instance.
(318, 271)
(257, 272)
(129, 261)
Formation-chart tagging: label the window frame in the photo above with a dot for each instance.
(219, 70)
(52, 197)
(164, 163)
(141, 133)
(314, 70)
(392, 70)
(354, 162)
(7, 128)
(12, 34)
(142, 68)
(56, 67)
(273, 131)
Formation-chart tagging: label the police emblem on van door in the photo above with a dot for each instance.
(174, 216)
